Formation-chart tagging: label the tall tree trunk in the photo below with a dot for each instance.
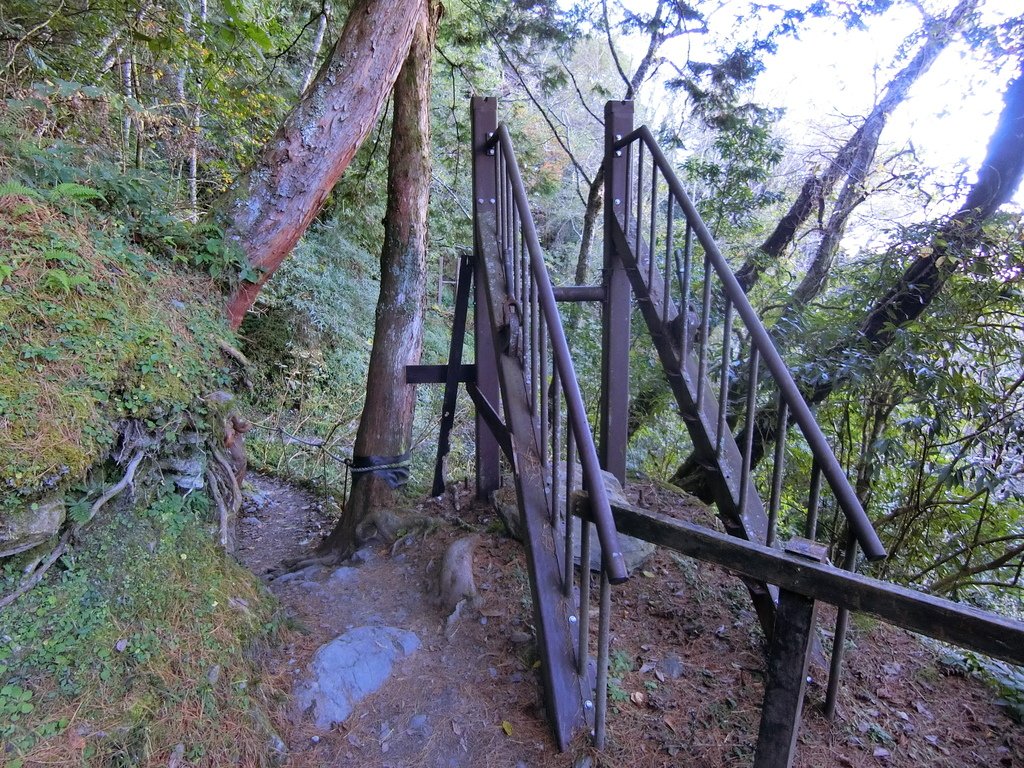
(853, 160)
(922, 280)
(385, 426)
(270, 206)
(193, 112)
(595, 203)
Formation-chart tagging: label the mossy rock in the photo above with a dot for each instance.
(31, 525)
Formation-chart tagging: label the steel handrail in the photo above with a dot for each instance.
(762, 341)
(598, 496)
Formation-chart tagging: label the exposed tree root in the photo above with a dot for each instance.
(72, 533)
(384, 525)
(228, 502)
(388, 526)
(293, 564)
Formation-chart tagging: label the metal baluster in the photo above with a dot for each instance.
(778, 470)
(705, 325)
(684, 301)
(627, 204)
(507, 230)
(569, 457)
(751, 418)
(639, 200)
(500, 213)
(513, 271)
(584, 617)
(813, 502)
(545, 406)
(669, 249)
(835, 671)
(652, 241)
(536, 383)
(529, 328)
(520, 247)
(555, 404)
(723, 384)
(603, 637)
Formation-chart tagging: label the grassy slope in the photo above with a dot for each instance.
(141, 642)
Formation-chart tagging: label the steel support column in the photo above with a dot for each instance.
(615, 321)
(484, 118)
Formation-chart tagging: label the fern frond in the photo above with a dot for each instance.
(75, 192)
(17, 189)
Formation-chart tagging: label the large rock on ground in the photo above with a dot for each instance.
(29, 527)
(347, 669)
(635, 552)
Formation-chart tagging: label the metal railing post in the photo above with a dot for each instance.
(484, 117)
(615, 316)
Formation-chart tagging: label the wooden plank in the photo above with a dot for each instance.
(962, 625)
(788, 660)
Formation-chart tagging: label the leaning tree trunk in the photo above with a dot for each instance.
(922, 280)
(270, 206)
(852, 160)
(385, 426)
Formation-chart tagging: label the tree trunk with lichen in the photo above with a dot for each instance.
(999, 177)
(271, 205)
(385, 427)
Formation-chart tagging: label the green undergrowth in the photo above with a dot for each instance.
(141, 644)
(95, 331)
(309, 340)
(148, 638)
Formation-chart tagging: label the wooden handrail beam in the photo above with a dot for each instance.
(936, 617)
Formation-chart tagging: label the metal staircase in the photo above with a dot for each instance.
(734, 393)
(709, 338)
(659, 253)
(544, 428)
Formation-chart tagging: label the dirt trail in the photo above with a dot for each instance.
(687, 662)
(445, 705)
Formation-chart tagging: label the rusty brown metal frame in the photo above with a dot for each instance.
(736, 299)
(518, 336)
(805, 578)
(453, 374)
(484, 121)
(518, 324)
(613, 427)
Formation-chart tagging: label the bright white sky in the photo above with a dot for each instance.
(829, 72)
(832, 72)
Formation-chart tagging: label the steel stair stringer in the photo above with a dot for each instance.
(750, 522)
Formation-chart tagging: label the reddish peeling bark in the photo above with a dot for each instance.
(385, 426)
(272, 204)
